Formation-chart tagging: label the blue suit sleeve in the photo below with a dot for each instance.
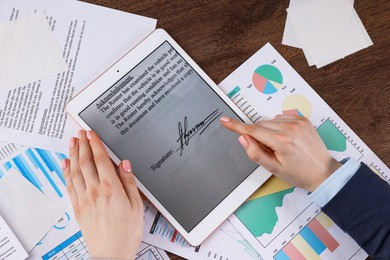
(334, 183)
(362, 209)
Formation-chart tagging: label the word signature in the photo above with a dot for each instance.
(186, 133)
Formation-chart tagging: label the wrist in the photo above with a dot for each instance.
(109, 255)
(324, 193)
(328, 169)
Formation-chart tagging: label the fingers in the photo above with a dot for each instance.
(261, 134)
(75, 172)
(87, 165)
(104, 166)
(128, 181)
(69, 184)
(286, 117)
(259, 153)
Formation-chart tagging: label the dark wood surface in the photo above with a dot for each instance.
(220, 35)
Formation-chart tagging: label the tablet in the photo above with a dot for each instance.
(158, 109)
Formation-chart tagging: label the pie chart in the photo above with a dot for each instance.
(298, 105)
(267, 79)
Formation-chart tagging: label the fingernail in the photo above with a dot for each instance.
(64, 164)
(72, 142)
(79, 132)
(89, 135)
(225, 119)
(243, 141)
(126, 165)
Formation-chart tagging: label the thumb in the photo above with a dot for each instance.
(259, 153)
(127, 178)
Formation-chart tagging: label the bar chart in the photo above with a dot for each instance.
(243, 104)
(311, 242)
(164, 229)
(43, 169)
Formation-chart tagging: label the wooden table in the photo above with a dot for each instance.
(220, 35)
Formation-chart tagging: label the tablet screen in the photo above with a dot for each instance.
(164, 118)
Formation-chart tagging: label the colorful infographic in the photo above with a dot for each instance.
(258, 213)
(280, 221)
(43, 169)
(337, 142)
(267, 79)
(332, 137)
(297, 105)
(315, 239)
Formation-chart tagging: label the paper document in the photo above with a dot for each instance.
(91, 39)
(10, 247)
(277, 218)
(28, 51)
(65, 241)
(226, 243)
(27, 211)
(8, 149)
(42, 168)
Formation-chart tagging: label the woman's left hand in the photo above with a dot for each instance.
(106, 201)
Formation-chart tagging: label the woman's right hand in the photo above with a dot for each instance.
(289, 147)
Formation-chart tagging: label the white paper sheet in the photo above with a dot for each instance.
(289, 36)
(66, 242)
(322, 27)
(27, 211)
(357, 36)
(91, 39)
(357, 39)
(28, 51)
(288, 209)
(10, 247)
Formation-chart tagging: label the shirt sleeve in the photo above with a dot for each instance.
(335, 182)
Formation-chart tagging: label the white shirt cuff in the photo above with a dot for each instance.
(335, 182)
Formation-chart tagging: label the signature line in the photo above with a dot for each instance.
(212, 120)
(208, 120)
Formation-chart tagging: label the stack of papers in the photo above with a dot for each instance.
(326, 30)
(50, 49)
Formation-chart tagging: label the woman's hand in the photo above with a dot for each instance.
(106, 201)
(289, 147)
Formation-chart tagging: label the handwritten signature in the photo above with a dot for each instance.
(185, 134)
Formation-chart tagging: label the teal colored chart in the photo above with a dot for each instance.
(332, 137)
(259, 214)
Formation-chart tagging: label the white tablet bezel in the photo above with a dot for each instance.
(131, 59)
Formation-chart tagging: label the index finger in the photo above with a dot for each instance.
(257, 132)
